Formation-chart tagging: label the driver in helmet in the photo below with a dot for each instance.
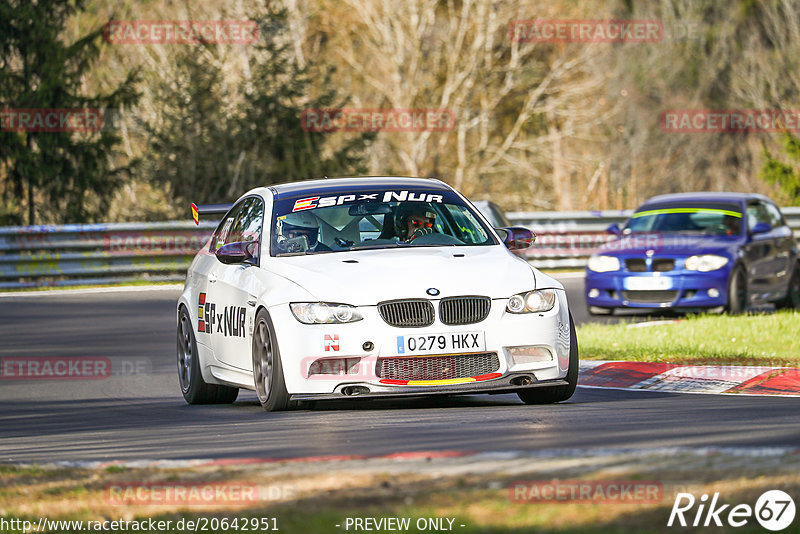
(413, 220)
(299, 232)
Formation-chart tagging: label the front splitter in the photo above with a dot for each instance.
(501, 385)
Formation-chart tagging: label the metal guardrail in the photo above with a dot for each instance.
(93, 254)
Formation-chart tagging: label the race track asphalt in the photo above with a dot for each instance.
(138, 412)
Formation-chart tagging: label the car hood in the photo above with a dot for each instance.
(367, 277)
(669, 244)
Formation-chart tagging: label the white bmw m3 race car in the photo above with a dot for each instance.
(367, 287)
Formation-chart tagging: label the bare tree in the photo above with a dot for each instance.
(521, 108)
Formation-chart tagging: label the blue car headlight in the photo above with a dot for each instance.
(603, 264)
(539, 300)
(324, 313)
(705, 262)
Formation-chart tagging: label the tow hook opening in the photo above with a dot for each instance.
(521, 380)
(352, 391)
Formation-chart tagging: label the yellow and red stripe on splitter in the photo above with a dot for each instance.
(443, 382)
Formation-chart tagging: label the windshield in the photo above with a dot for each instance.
(358, 219)
(711, 219)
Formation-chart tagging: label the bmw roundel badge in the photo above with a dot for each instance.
(432, 291)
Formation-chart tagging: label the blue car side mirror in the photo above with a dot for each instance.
(613, 229)
(761, 228)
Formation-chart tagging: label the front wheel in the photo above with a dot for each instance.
(267, 368)
(195, 390)
(737, 291)
(549, 395)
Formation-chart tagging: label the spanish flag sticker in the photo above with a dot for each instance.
(305, 204)
(195, 214)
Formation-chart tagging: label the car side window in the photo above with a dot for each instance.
(757, 213)
(248, 224)
(775, 217)
(224, 228)
(469, 229)
(236, 232)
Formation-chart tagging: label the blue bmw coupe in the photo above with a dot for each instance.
(693, 251)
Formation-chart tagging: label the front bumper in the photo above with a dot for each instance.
(500, 385)
(301, 345)
(672, 289)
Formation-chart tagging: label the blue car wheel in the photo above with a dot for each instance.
(737, 291)
(792, 299)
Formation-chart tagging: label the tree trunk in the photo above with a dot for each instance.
(29, 178)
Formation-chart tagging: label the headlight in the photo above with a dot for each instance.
(603, 264)
(324, 313)
(540, 300)
(706, 262)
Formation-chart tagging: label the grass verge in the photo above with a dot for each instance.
(768, 339)
(475, 496)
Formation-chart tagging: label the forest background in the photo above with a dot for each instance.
(537, 125)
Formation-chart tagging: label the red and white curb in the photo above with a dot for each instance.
(714, 379)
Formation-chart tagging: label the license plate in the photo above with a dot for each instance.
(644, 283)
(441, 343)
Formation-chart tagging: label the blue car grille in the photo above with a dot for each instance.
(639, 265)
(636, 265)
(663, 264)
(650, 296)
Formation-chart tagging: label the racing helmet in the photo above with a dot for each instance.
(409, 209)
(299, 224)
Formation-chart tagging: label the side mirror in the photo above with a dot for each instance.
(235, 253)
(517, 238)
(761, 228)
(614, 229)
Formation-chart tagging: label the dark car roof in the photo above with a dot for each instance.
(704, 197)
(337, 185)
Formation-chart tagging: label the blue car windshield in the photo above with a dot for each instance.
(359, 220)
(691, 218)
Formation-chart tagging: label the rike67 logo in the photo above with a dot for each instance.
(774, 510)
(229, 322)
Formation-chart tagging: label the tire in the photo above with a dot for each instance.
(737, 291)
(195, 390)
(267, 368)
(549, 395)
(792, 298)
(597, 310)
